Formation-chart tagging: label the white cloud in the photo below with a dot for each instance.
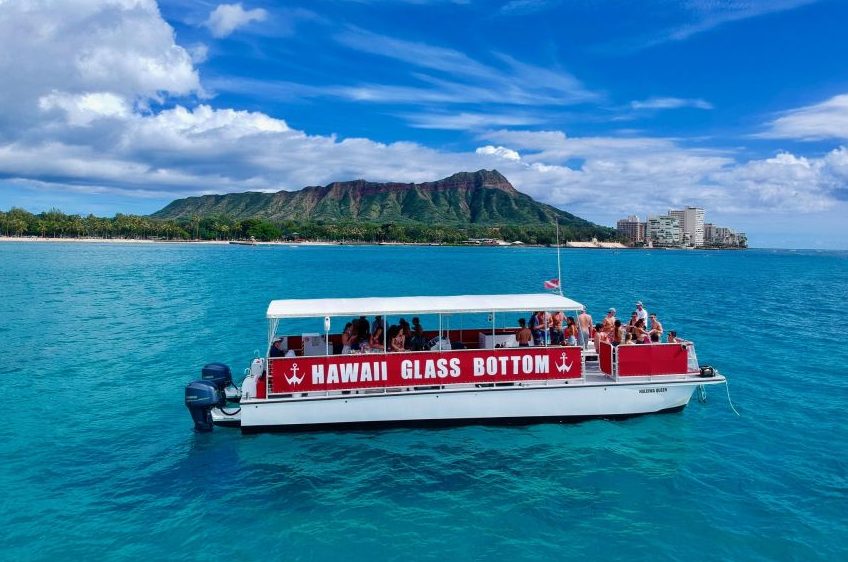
(78, 55)
(467, 121)
(463, 79)
(82, 109)
(226, 18)
(606, 176)
(670, 103)
(499, 151)
(825, 120)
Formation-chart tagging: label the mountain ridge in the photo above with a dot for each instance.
(481, 198)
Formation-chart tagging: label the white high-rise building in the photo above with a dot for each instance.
(664, 231)
(691, 223)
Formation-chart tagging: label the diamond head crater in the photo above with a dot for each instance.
(465, 206)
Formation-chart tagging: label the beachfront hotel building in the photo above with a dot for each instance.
(691, 224)
(632, 229)
(684, 227)
(664, 230)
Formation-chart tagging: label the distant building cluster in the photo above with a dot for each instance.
(684, 228)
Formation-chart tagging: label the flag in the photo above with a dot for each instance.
(552, 284)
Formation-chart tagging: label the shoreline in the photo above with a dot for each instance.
(566, 246)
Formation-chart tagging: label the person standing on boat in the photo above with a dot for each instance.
(633, 319)
(584, 328)
(539, 327)
(641, 313)
(524, 335)
(363, 330)
(656, 327)
(608, 326)
(556, 327)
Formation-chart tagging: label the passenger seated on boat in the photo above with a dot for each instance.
(628, 339)
(376, 341)
(346, 338)
(672, 337)
(655, 337)
(407, 333)
(353, 339)
(524, 335)
(398, 339)
(378, 323)
(417, 342)
(277, 349)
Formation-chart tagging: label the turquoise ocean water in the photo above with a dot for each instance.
(98, 459)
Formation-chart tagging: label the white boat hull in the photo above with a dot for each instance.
(448, 406)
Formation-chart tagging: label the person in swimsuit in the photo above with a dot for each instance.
(621, 333)
(600, 336)
(608, 326)
(556, 327)
(399, 340)
(633, 319)
(672, 337)
(656, 326)
(570, 334)
(524, 335)
(584, 328)
(640, 334)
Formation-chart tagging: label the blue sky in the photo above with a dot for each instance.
(602, 108)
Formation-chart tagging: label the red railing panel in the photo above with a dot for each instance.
(378, 370)
(605, 357)
(652, 359)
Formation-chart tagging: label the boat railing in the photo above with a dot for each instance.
(645, 360)
(423, 370)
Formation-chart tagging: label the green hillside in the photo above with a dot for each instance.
(482, 198)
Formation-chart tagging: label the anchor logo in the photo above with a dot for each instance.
(294, 379)
(564, 367)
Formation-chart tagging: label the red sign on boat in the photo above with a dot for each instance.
(346, 372)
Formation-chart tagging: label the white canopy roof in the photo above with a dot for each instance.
(318, 308)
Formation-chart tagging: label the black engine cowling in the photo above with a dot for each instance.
(218, 374)
(200, 397)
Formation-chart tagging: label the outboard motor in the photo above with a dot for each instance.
(218, 374)
(200, 398)
(203, 395)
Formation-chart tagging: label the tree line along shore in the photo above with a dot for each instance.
(56, 224)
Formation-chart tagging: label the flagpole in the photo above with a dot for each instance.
(559, 263)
